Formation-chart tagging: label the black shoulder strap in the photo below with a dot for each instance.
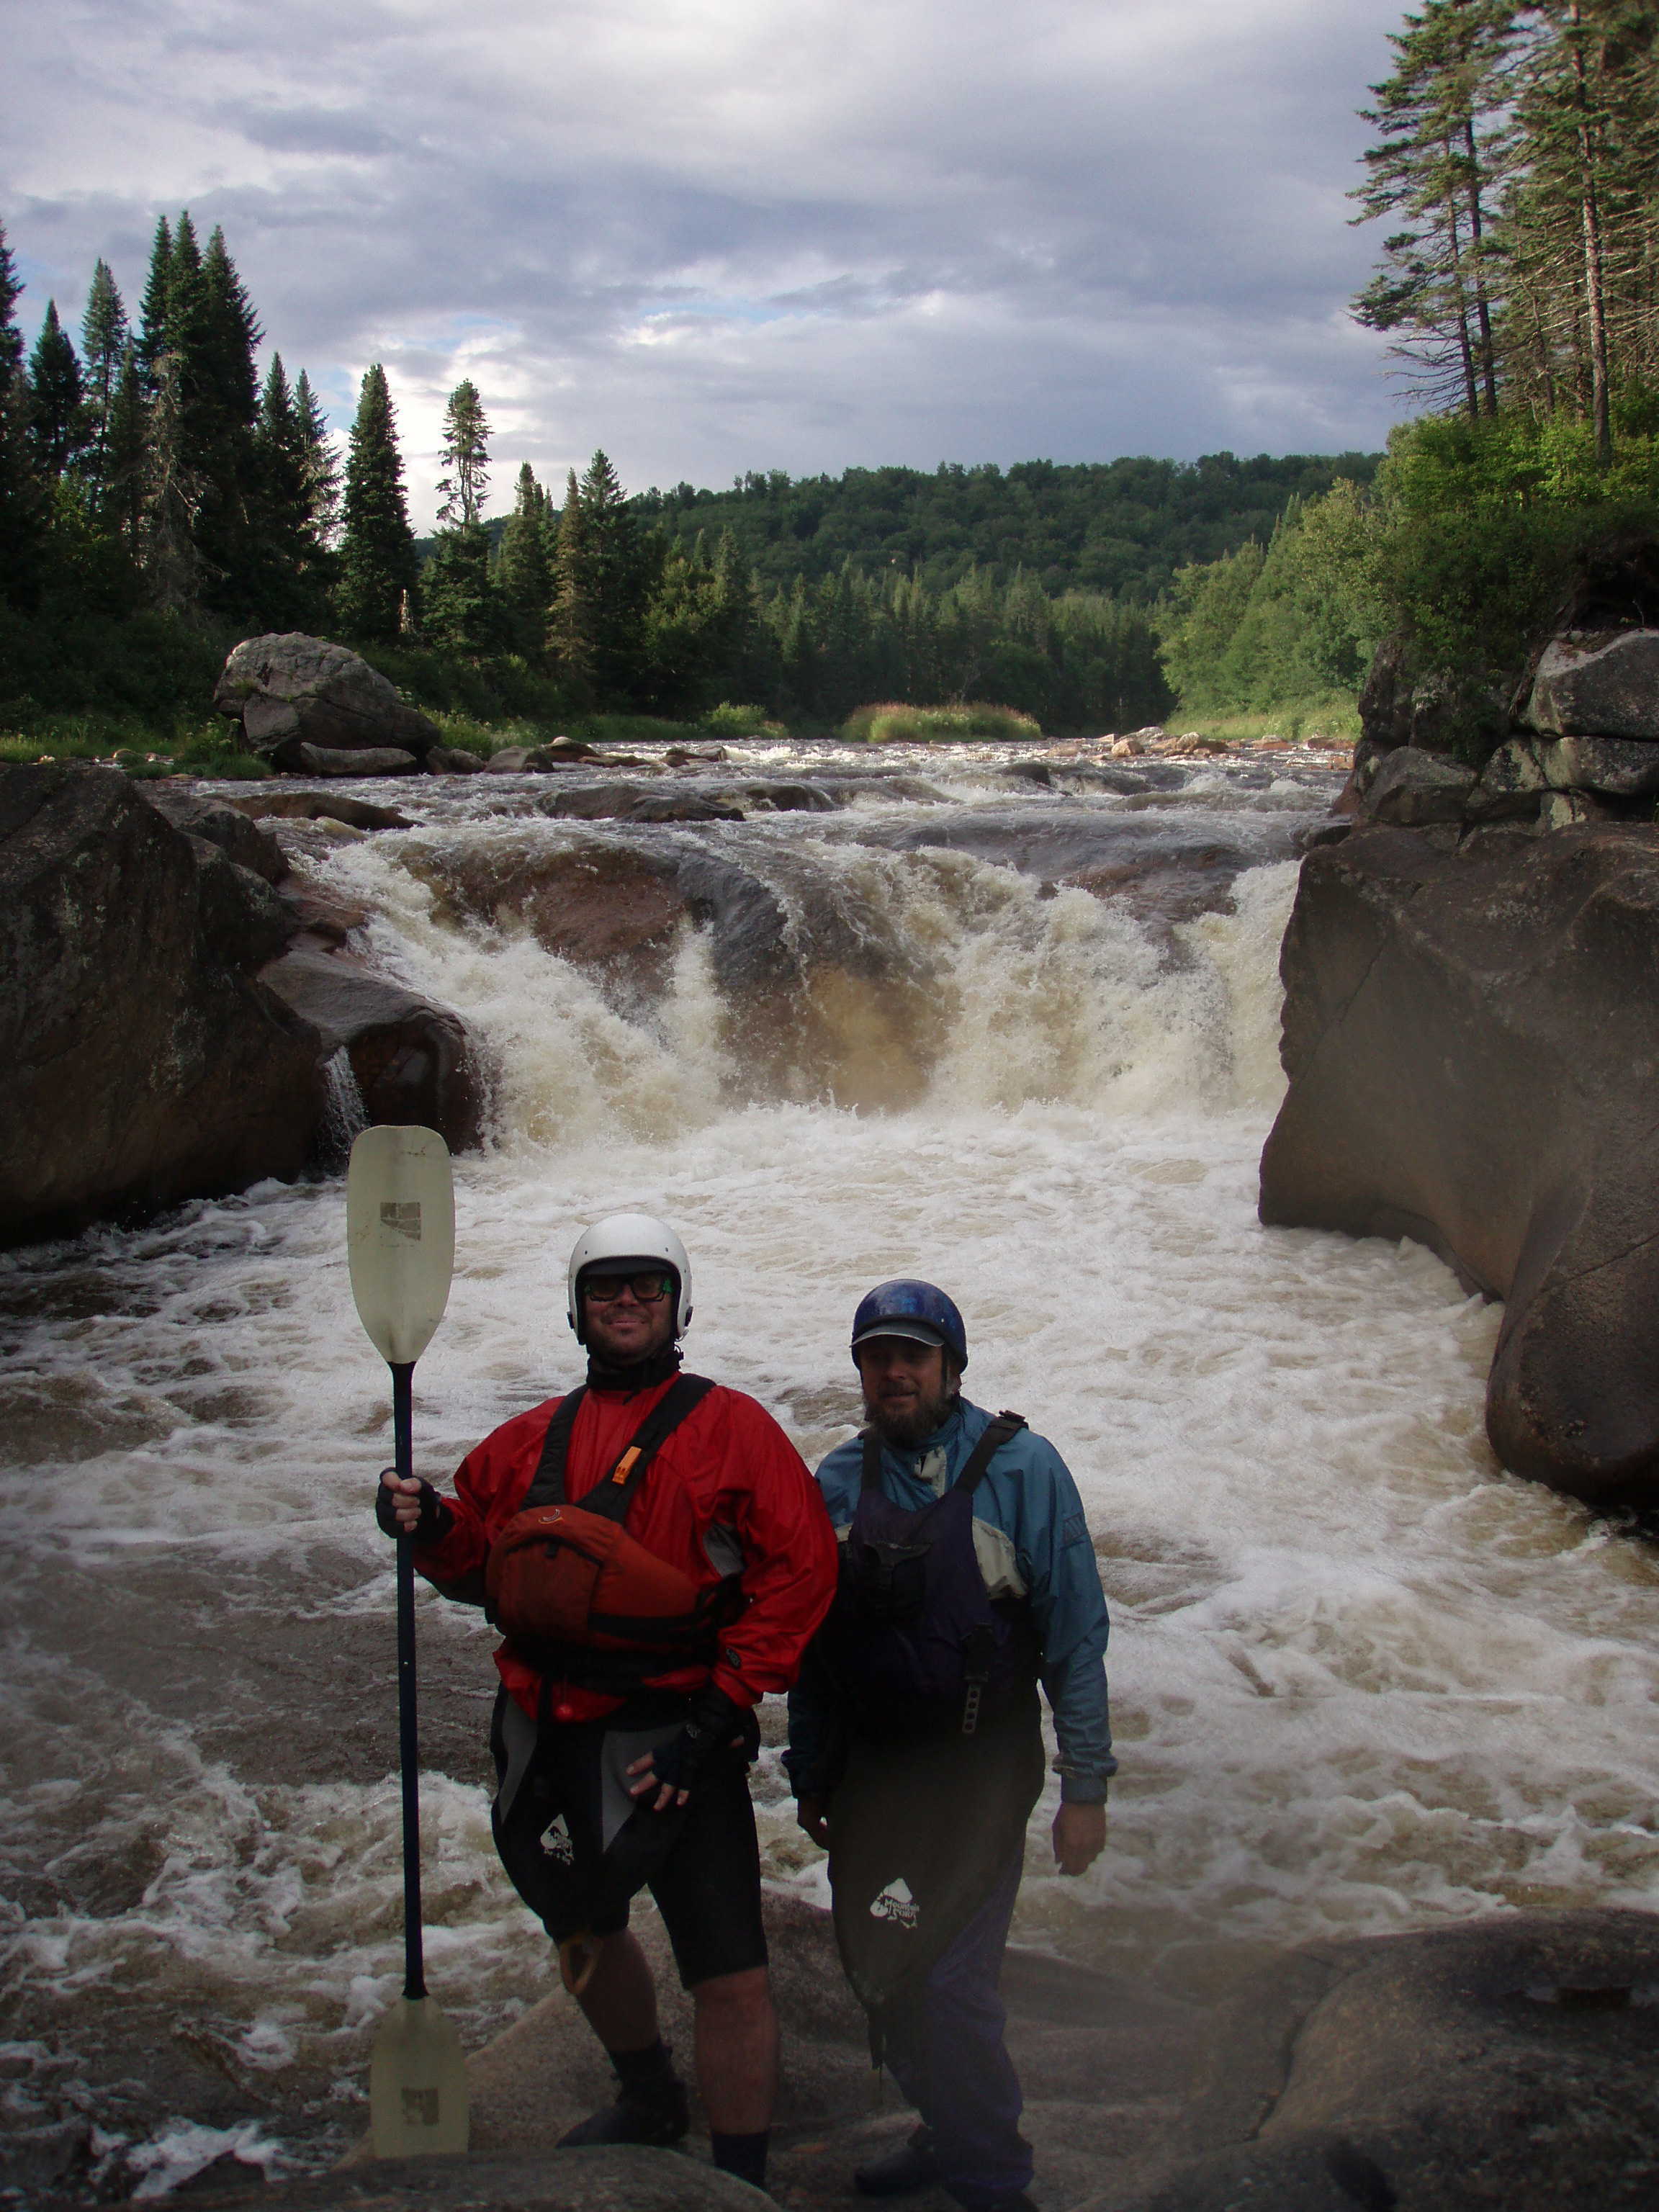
(997, 1433)
(612, 1497)
(547, 1484)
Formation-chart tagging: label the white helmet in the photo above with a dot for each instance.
(621, 1240)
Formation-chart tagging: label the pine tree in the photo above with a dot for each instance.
(152, 341)
(172, 498)
(571, 614)
(57, 426)
(322, 464)
(523, 574)
(378, 566)
(122, 482)
(222, 404)
(459, 608)
(466, 457)
(21, 512)
(1436, 165)
(283, 579)
(617, 571)
(103, 349)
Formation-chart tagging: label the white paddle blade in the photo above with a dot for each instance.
(416, 2083)
(400, 1236)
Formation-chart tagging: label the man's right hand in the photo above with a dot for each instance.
(410, 1509)
(403, 1502)
(813, 1814)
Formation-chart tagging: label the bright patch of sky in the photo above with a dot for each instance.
(713, 235)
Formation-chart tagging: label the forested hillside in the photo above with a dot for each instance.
(1119, 527)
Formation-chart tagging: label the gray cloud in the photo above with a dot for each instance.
(718, 237)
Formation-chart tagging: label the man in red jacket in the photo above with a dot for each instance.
(659, 1557)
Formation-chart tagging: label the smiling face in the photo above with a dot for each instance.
(627, 1312)
(908, 1387)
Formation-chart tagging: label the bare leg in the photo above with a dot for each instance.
(737, 2050)
(620, 1999)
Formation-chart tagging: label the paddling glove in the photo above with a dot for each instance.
(435, 1517)
(710, 1725)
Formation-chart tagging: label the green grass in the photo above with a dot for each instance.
(132, 743)
(891, 724)
(1335, 717)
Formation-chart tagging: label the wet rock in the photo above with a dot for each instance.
(612, 911)
(1509, 2063)
(288, 690)
(1468, 1035)
(776, 797)
(320, 805)
(1623, 768)
(1603, 684)
(452, 760)
(325, 920)
(145, 1063)
(683, 755)
(1411, 788)
(364, 759)
(412, 1060)
(633, 802)
(226, 826)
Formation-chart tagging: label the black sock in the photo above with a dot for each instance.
(743, 2155)
(646, 2071)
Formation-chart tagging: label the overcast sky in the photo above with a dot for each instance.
(713, 235)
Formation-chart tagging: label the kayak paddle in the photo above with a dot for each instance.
(400, 1238)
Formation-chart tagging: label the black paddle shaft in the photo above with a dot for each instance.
(409, 1747)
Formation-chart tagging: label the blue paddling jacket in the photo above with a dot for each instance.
(1032, 1543)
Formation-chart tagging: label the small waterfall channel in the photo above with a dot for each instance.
(1007, 1021)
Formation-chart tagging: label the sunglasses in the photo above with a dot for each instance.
(647, 1288)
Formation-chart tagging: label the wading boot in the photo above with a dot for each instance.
(912, 2166)
(651, 2105)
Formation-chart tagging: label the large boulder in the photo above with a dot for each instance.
(1602, 685)
(412, 1060)
(1411, 788)
(144, 1062)
(288, 691)
(1471, 1038)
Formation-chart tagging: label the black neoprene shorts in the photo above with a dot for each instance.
(706, 1884)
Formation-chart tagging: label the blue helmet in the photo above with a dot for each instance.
(918, 1311)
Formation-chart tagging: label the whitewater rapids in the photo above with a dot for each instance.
(1363, 1680)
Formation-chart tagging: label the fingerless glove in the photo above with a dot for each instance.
(711, 1723)
(435, 1517)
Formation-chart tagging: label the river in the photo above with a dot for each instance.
(1016, 1036)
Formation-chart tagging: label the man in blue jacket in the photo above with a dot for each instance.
(915, 1745)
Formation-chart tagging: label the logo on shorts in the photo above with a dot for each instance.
(556, 1842)
(895, 1904)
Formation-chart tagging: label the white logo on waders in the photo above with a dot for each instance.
(897, 1904)
(556, 1842)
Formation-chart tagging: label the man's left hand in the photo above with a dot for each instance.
(1080, 1836)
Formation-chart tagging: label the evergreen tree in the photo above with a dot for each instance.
(1436, 165)
(57, 425)
(222, 404)
(121, 487)
(103, 350)
(282, 580)
(322, 464)
(616, 573)
(171, 497)
(523, 574)
(459, 608)
(466, 457)
(571, 618)
(152, 342)
(21, 514)
(378, 565)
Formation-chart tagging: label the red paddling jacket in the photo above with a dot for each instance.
(726, 1494)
